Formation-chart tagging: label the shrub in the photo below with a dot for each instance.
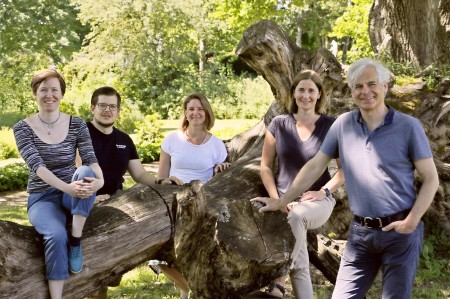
(8, 119)
(148, 138)
(13, 177)
(8, 148)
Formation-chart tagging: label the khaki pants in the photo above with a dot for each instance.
(303, 216)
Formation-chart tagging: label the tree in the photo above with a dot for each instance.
(415, 31)
(351, 28)
(33, 37)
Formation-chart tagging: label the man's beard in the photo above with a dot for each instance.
(103, 124)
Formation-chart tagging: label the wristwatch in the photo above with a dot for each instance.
(327, 191)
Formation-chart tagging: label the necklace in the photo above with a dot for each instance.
(189, 138)
(49, 124)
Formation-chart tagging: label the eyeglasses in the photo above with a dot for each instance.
(103, 106)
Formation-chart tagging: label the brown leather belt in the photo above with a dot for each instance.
(380, 222)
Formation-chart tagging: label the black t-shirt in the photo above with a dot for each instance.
(113, 151)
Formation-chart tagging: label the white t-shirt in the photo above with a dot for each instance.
(190, 162)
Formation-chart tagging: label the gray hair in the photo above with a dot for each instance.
(362, 64)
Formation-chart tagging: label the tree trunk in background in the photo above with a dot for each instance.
(416, 31)
(202, 61)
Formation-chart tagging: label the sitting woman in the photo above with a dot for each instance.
(58, 191)
(191, 153)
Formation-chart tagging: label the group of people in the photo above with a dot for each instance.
(378, 148)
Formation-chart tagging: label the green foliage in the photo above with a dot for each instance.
(436, 244)
(30, 25)
(148, 138)
(8, 148)
(13, 177)
(67, 107)
(354, 24)
(434, 73)
(129, 117)
(9, 119)
(84, 112)
(33, 37)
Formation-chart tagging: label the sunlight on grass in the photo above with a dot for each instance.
(142, 282)
(17, 214)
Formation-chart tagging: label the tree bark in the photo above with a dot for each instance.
(416, 31)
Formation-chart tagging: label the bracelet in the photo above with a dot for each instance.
(159, 181)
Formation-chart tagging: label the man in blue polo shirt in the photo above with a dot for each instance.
(379, 149)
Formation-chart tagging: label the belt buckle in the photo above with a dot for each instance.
(367, 219)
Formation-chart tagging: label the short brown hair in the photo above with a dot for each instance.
(106, 91)
(313, 76)
(41, 76)
(209, 115)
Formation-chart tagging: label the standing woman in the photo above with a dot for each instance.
(191, 153)
(58, 191)
(293, 139)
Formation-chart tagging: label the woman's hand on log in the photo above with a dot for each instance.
(271, 204)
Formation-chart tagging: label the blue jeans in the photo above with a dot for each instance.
(367, 251)
(48, 212)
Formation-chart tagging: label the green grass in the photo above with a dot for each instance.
(17, 214)
(142, 282)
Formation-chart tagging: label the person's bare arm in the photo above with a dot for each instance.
(430, 184)
(164, 165)
(164, 170)
(139, 174)
(333, 184)
(267, 163)
(304, 179)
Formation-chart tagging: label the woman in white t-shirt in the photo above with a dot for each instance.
(191, 153)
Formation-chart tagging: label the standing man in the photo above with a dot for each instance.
(379, 149)
(115, 152)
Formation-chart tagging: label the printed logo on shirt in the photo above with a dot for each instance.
(121, 146)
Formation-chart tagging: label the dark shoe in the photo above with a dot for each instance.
(75, 259)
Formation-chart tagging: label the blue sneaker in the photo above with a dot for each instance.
(75, 259)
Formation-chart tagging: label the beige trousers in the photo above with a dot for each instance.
(303, 216)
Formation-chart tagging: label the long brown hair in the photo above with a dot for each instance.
(313, 76)
(209, 115)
